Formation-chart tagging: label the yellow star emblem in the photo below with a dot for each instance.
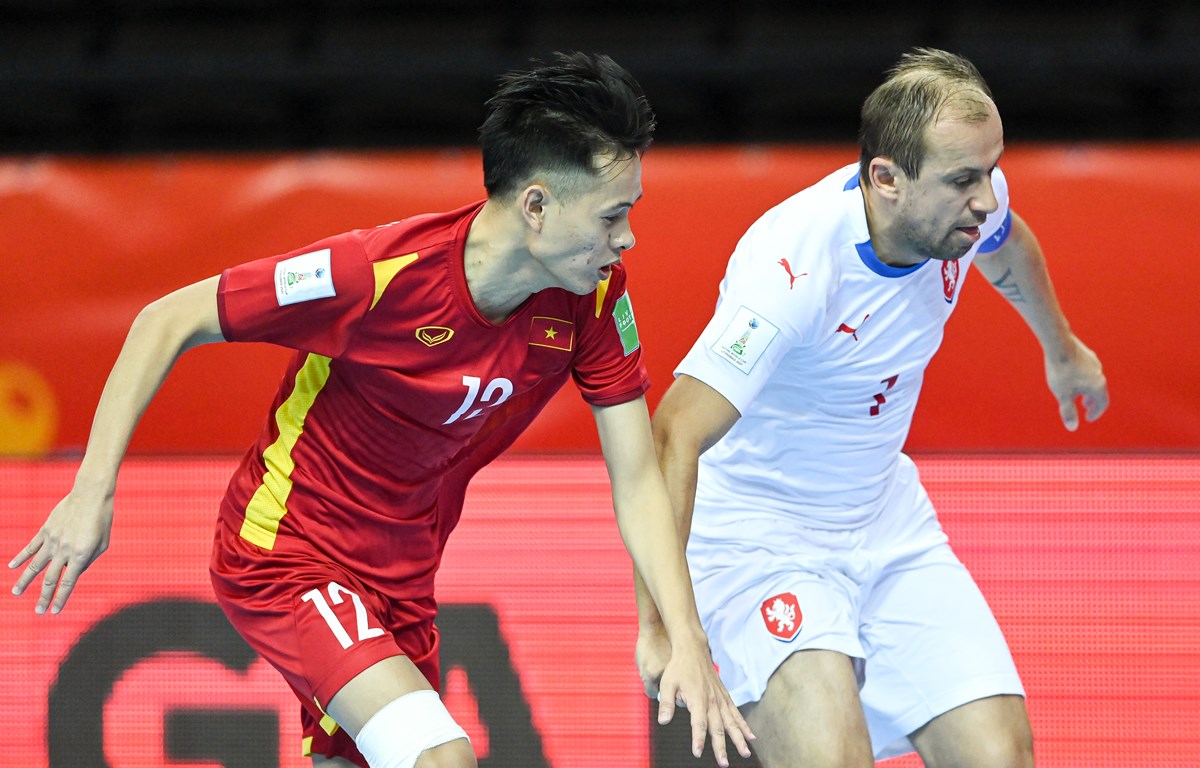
(551, 333)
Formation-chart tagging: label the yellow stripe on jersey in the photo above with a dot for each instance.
(601, 292)
(327, 723)
(306, 746)
(386, 270)
(269, 503)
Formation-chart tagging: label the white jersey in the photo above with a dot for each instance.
(822, 349)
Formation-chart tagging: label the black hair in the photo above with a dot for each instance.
(557, 118)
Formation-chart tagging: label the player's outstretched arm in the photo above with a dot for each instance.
(77, 529)
(650, 534)
(691, 418)
(1018, 271)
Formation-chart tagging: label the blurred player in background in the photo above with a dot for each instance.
(424, 348)
(841, 621)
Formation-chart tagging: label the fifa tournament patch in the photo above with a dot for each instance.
(304, 278)
(782, 616)
(745, 339)
(626, 325)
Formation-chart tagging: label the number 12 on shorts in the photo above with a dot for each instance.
(336, 597)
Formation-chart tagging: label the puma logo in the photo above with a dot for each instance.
(843, 328)
(791, 278)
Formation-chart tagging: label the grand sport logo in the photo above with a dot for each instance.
(432, 335)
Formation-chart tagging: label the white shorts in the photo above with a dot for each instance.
(891, 595)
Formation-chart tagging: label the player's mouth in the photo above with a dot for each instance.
(606, 270)
(971, 232)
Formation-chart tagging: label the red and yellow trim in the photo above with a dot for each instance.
(601, 292)
(268, 505)
(327, 724)
(386, 270)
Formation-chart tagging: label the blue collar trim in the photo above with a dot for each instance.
(866, 252)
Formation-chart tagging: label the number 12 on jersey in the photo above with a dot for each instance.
(497, 391)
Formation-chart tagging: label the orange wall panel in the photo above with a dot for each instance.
(89, 242)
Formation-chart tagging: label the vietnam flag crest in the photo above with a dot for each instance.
(553, 333)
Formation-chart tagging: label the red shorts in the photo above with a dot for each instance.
(318, 624)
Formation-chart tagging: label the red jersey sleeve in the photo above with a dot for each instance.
(310, 299)
(608, 368)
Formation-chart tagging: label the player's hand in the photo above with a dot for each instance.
(653, 651)
(74, 535)
(1076, 373)
(690, 680)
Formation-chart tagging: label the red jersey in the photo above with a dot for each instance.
(401, 390)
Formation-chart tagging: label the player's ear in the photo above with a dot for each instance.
(885, 176)
(534, 200)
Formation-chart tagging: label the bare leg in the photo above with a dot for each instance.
(376, 687)
(987, 733)
(811, 715)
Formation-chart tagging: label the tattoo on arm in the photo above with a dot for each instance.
(1008, 288)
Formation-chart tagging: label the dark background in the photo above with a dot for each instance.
(130, 76)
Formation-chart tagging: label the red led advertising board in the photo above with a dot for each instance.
(1091, 563)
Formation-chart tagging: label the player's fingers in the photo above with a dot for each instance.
(66, 584)
(737, 728)
(700, 725)
(29, 551)
(666, 704)
(49, 585)
(35, 566)
(1068, 412)
(1095, 403)
(739, 742)
(651, 687)
(716, 733)
(719, 750)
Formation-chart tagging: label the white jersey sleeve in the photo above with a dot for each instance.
(770, 303)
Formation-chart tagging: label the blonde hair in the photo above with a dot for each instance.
(925, 86)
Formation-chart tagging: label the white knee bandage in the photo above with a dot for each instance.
(396, 735)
